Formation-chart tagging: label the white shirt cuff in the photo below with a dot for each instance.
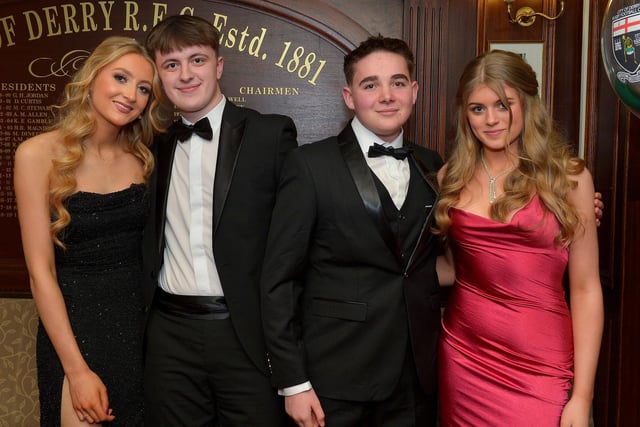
(295, 389)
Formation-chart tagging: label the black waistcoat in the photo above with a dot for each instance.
(407, 221)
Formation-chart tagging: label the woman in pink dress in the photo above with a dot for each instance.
(517, 212)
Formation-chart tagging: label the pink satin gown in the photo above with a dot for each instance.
(506, 351)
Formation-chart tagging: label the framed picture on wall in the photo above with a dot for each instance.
(532, 52)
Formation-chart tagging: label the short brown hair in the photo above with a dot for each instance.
(376, 44)
(180, 31)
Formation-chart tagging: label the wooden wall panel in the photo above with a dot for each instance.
(426, 28)
(566, 61)
(432, 29)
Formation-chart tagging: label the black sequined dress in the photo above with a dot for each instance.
(100, 275)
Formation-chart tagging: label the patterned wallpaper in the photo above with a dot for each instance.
(18, 384)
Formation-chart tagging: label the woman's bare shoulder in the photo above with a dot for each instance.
(583, 190)
(41, 147)
(583, 179)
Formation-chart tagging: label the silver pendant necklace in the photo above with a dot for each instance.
(492, 179)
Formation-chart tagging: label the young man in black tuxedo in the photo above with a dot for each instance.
(212, 194)
(349, 287)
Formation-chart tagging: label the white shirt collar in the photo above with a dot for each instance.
(214, 116)
(366, 138)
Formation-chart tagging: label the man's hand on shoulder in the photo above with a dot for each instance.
(304, 408)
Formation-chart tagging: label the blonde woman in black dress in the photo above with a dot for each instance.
(82, 202)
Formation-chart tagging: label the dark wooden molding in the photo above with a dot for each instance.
(322, 19)
(425, 30)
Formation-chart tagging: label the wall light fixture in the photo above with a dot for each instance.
(526, 16)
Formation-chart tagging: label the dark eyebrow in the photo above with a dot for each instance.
(368, 79)
(197, 54)
(169, 59)
(400, 77)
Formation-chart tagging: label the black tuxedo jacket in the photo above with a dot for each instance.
(341, 306)
(251, 151)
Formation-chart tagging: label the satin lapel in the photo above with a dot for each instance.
(366, 186)
(425, 232)
(229, 146)
(165, 151)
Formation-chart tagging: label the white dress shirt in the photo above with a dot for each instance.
(393, 173)
(189, 266)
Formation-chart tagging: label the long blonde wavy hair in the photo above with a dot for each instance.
(76, 121)
(545, 161)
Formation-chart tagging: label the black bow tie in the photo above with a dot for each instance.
(377, 150)
(202, 128)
